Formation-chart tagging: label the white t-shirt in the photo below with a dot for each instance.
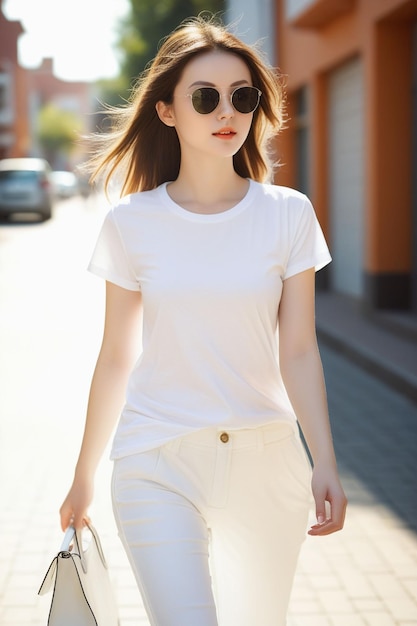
(211, 287)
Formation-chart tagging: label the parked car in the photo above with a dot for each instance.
(25, 187)
(64, 184)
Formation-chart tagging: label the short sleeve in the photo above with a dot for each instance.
(308, 248)
(110, 259)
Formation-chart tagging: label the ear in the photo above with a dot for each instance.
(165, 114)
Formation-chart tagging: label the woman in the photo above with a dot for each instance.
(211, 485)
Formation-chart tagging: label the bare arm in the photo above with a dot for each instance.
(107, 393)
(302, 374)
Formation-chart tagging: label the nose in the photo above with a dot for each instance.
(225, 108)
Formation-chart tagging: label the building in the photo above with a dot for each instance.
(351, 140)
(74, 97)
(23, 92)
(14, 138)
(253, 21)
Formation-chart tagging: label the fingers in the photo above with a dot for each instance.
(325, 528)
(78, 522)
(330, 501)
(327, 524)
(321, 515)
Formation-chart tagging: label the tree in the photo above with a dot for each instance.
(113, 92)
(58, 131)
(149, 22)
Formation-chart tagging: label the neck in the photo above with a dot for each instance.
(208, 189)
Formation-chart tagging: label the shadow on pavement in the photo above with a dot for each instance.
(375, 435)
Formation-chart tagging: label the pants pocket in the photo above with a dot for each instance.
(296, 469)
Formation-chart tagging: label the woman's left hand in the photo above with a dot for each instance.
(327, 488)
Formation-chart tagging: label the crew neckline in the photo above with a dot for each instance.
(207, 217)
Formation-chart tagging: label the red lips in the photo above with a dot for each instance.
(225, 133)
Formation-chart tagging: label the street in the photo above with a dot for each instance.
(51, 313)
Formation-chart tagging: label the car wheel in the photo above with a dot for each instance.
(46, 215)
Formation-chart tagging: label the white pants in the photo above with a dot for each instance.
(213, 523)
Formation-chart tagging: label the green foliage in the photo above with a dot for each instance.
(149, 22)
(112, 91)
(57, 130)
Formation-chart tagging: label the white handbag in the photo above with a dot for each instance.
(82, 592)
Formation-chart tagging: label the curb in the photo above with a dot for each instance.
(397, 378)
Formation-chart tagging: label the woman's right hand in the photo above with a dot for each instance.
(74, 509)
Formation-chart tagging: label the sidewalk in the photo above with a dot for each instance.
(367, 575)
(383, 343)
(380, 444)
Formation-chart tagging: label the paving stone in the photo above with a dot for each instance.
(355, 583)
(335, 602)
(351, 619)
(309, 620)
(411, 585)
(379, 619)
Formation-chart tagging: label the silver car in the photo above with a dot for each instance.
(25, 187)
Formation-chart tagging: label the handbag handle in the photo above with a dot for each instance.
(68, 537)
(71, 535)
(76, 534)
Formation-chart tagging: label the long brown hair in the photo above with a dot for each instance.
(145, 151)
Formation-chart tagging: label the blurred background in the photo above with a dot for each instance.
(349, 143)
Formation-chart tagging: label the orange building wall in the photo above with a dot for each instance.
(380, 31)
(389, 140)
(18, 129)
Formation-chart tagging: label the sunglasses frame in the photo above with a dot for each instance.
(190, 95)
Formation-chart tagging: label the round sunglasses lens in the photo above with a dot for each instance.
(245, 99)
(205, 100)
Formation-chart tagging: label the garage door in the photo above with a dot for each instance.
(346, 176)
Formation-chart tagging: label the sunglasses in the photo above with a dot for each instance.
(244, 99)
